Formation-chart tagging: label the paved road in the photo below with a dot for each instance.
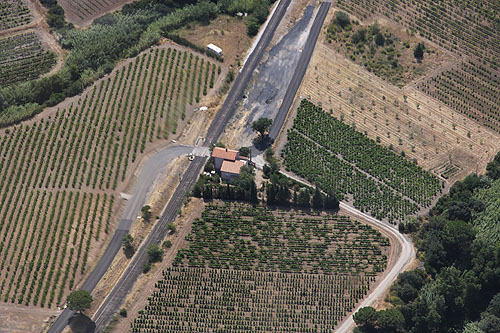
(149, 171)
(300, 71)
(112, 303)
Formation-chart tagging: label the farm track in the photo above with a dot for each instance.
(132, 272)
(406, 256)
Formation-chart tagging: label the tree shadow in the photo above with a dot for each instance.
(80, 323)
(262, 143)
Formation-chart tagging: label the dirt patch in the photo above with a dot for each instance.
(228, 33)
(23, 319)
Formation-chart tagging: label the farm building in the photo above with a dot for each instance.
(230, 171)
(214, 49)
(228, 162)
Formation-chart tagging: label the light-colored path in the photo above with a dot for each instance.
(406, 256)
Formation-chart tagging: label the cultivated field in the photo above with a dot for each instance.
(335, 157)
(14, 13)
(83, 12)
(59, 171)
(440, 139)
(469, 29)
(252, 268)
(23, 58)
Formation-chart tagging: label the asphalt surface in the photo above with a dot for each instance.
(273, 76)
(116, 297)
(149, 171)
(300, 71)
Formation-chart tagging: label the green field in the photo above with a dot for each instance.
(23, 58)
(259, 269)
(334, 156)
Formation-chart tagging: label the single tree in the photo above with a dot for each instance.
(262, 126)
(79, 300)
(331, 201)
(366, 317)
(342, 19)
(128, 247)
(418, 52)
(318, 199)
(154, 253)
(244, 151)
(171, 227)
(146, 213)
(379, 39)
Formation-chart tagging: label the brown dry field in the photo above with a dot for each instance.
(228, 33)
(435, 57)
(422, 127)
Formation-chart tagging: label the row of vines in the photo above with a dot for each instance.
(336, 157)
(23, 58)
(467, 28)
(252, 268)
(58, 174)
(14, 13)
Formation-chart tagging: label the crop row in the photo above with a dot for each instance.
(335, 157)
(14, 13)
(206, 300)
(253, 268)
(466, 28)
(241, 236)
(57, 174)
(22, 57)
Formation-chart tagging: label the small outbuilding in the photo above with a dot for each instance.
(214, 49)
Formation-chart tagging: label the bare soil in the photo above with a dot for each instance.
(228, 33)
(23, 319)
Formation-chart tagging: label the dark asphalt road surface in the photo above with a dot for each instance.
(114, 300)
(300, 71)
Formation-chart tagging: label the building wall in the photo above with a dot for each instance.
(229, 177)
(218, 163)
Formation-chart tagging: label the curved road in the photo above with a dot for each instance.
(405, 258)
(149, 171)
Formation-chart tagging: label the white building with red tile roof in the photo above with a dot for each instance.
(228, 162)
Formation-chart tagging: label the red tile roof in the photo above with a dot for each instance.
(224, 153)
(232, 167)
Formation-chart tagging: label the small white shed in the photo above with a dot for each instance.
(214, 49)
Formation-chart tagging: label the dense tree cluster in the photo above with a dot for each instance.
(459, 290)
